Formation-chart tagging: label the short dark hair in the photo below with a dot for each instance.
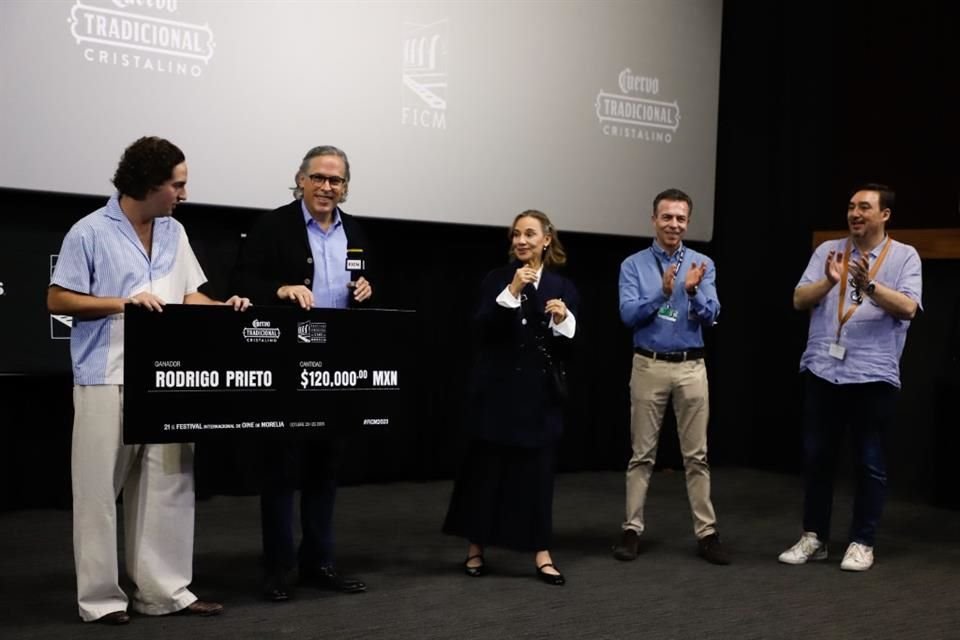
(555, 255)
(145, 165)
(887, 197)
(673, 194)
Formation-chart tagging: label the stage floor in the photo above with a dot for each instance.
(389, 535)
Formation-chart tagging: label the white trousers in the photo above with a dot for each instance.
(158, 508)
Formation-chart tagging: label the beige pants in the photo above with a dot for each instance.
(158, 504)
(652, 384)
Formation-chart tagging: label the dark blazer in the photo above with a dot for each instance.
(511, 398)
(276, 252)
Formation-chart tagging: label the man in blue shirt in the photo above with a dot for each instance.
(130, 251)
(297, 254)
(667, 294)
(862, 292)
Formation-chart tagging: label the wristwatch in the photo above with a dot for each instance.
(871, 287)
(693, 292)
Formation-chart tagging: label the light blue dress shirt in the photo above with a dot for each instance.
(102, 256)
(329, 249)
(872, 338)
(642, 299)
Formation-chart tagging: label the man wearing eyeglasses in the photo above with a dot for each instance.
(862, 292)
(297, 254)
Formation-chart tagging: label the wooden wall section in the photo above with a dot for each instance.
(935, 244)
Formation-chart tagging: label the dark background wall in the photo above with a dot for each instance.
(814, 99)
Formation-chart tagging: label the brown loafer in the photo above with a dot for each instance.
(114, 618)
(203, 608)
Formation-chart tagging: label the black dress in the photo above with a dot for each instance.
(503, 495)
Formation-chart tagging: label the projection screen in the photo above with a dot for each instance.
(461, 111)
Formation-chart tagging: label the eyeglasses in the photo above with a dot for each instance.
(318, 179)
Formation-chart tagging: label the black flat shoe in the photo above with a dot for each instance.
(328, 578)
(276, 589)
(557, 580)
(474, 572)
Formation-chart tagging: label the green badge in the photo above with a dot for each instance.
(667, 313)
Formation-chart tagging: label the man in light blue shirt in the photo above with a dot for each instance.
(862, 292)
(130, 251)
(667, 294)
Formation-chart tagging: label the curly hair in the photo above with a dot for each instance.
(146, 164)
(554, 255)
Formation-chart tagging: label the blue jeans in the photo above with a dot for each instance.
(828, 409)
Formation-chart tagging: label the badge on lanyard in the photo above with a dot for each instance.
(837, 351)
(668, 313)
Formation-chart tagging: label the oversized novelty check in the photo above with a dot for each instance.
(193, 372)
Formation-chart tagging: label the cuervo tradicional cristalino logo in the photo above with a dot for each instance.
(141, 35)
(638, 111)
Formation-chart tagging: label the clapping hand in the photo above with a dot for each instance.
(695, 276)
(859, 271)
(833, 267)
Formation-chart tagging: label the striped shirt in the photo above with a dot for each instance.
(873, 339)
(102, 256)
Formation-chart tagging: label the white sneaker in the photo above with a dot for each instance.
(807, 548)
(859, 557)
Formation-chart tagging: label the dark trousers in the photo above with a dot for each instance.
(868, 410)
(315, 465)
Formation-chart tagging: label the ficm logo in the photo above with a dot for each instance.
(425, 67)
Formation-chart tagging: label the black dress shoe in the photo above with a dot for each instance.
(555, 579)
(477, 571)
(114, 618)
(710, 549)
(628, 547)
(328, 578)
(276, 589)
(203, 608)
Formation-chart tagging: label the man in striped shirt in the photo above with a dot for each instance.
(129, 251)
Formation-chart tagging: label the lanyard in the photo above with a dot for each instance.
(844, 316)
(676, 268)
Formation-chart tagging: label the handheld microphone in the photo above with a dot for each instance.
(355, 264)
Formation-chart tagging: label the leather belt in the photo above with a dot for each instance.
(672, 356)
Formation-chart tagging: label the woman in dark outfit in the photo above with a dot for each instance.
(525, 324)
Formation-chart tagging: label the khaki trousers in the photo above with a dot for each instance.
(158, 507)
(652, 384)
